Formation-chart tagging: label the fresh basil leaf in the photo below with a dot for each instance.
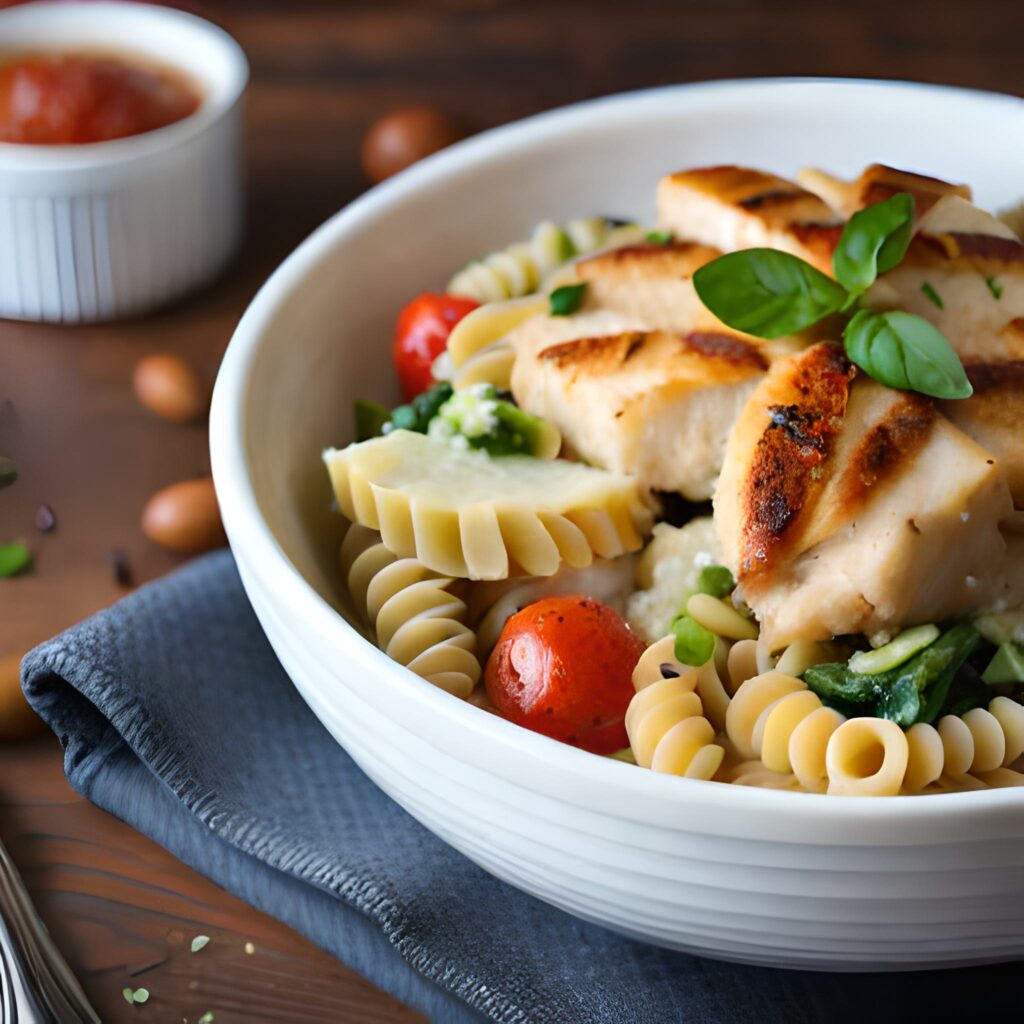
(905, 351)
(994, 286)
(14, 558)
(874, 240)
(567, 299)
(370, 419)
(767, 293)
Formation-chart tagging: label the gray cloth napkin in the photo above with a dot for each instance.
(176, 717)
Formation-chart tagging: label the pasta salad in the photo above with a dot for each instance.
(736, 497)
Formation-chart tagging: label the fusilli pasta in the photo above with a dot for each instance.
(521, 267)
(415, 619)
(665, 722)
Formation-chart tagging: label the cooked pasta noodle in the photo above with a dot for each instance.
(475, 517)
(415, 619)
(720, 618)
(665, 723)
(982, 742)
(522, 267)
(866, 757)
(487, 325)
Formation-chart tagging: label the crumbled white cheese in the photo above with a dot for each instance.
(703, 559)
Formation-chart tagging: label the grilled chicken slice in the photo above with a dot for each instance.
(847, 507)
(643, 379)
(876, 183)
(973, 264)
(732, 208)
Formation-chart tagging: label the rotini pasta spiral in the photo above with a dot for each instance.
(665, 723)
(521, 268)
(775, 717)
(415, 619)
(982, 742)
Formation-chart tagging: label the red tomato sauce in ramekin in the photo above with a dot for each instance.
(74, 99)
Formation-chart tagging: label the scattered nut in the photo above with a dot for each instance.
(167, 386)
(184, 517)
(399, 139)
(17, 720)
(46, 520)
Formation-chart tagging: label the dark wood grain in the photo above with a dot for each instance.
(321, 73)
(125, 913)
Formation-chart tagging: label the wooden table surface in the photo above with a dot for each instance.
(121, 908)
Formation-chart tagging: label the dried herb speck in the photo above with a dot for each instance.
(121, 568)
(8, 472)
(14, 558)
(45, 519)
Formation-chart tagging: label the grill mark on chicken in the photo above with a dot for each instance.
(645, 260)
(581, 351)
(772, 197)
(609, 352)
(790, 461)
(986, 377)
(726, 347)
(887, 449)
(879, 182)
(818, 237)
(984, 253)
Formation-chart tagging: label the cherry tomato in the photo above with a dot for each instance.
(563, 667)
(420, 337)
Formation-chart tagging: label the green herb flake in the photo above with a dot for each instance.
(932, 295)
(200, 942)
(370, 419)
(8, 472)
(715, 580)
(659, 237)
(14, 558)
(694, 644)
(207, 1018)
(994, 286)
(140, 995)
(567, 299)
(129, 995)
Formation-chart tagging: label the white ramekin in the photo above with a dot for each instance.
(769, 877)
(113, 229)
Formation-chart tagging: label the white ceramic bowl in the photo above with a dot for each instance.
(776, 878)
(113, 229)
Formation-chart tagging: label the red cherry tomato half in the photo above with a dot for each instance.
(563, 667)
(420, 337)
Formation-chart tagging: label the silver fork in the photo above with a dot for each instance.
(36, 984)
